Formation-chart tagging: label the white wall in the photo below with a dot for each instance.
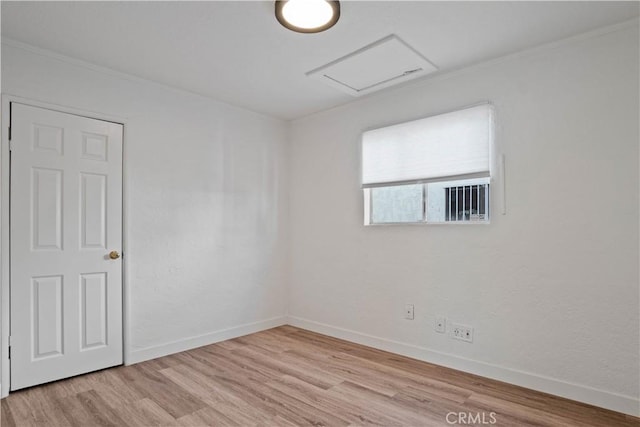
(552, 287)
(206, 201)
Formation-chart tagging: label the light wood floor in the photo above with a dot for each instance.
(284, 377)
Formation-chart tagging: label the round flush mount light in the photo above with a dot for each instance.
(307, 16)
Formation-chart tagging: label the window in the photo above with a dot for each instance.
(433, 170)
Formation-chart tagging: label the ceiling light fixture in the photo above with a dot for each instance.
(307, 16)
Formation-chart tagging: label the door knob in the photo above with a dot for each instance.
(114, 255)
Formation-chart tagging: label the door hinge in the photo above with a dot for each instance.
(10, 140)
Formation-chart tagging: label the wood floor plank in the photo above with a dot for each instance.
(75, 412)
(5, 414)
(231, 345)
(207, 417)
(69, 387)
(170, 396)
(46, 404)
(279, 422)
(267, 342)
(99, 409)
(287, 377)
(399, 379)
(287, 407)
(26, 409)
(232, 406)
(6, 418)
(146, 413)
(113, 389)
(259, 399)
(384, 404)
(354, 413)
(356, 373)
(213, 365)
(276, 368)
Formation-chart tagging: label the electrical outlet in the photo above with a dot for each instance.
(408, 311)
(440, 325)
(462, 332)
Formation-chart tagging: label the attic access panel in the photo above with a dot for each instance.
(381, 64)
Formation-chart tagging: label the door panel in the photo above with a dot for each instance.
(46, 313)
(66, 216)
(93, 205)
(94, 310)
(46, 205)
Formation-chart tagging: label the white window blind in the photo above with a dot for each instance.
(451, 145)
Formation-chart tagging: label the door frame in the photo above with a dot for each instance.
(5, 231)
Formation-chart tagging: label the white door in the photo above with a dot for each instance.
(66, 218)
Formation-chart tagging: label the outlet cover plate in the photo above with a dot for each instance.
(462, 332)
(408, 311)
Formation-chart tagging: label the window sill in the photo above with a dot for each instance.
(448, 223)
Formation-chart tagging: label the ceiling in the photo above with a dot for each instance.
(238, 53)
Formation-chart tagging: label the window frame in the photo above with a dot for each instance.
(491, 177)
(368, 211)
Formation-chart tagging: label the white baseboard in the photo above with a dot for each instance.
(201, 340)
(616, 402)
